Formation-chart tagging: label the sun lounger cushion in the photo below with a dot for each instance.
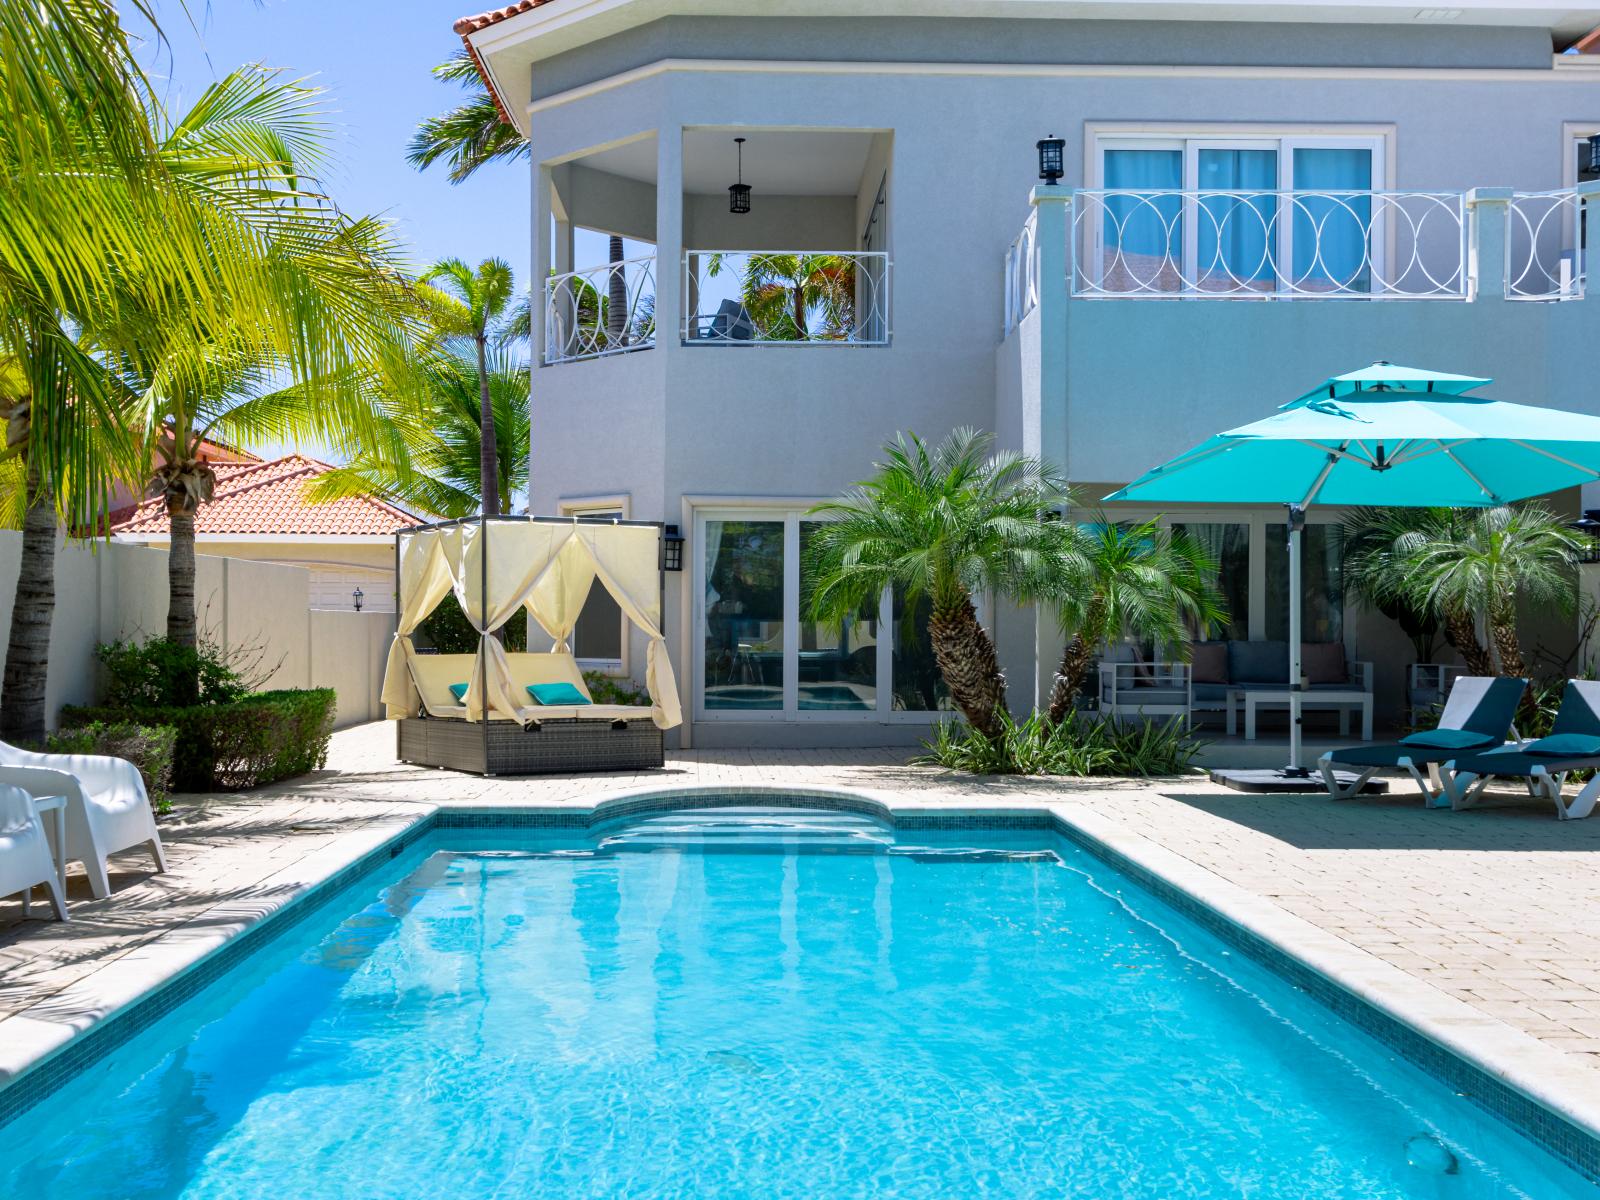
(557, 693)
(1565, 745)
(1448, 739)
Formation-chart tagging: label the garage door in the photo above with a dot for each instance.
(334, 587)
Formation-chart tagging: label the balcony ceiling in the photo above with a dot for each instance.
(787, 162)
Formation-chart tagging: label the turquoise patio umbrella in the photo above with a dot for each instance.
(1384, 436)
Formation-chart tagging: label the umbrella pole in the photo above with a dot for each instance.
(1297, 523)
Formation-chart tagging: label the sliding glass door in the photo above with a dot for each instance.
(761, 655)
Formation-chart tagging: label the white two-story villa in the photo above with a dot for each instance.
(1254, 196)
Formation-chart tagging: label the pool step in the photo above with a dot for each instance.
(750, 828)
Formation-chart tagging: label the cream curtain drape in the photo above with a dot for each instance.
(625, 561)
(425, 579)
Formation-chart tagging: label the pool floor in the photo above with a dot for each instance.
(758, 1004)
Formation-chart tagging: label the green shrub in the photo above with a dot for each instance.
(609, 689)
(161, 674)
(257, 739)
(148, 747)
(1081, 745)
(447, 631)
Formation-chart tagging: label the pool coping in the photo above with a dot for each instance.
(1535, 1088)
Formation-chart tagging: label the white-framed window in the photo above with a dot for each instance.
(1578, 166)
(758, 657)
(1225, 210)
(600, 638)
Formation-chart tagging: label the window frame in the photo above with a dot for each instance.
(1190, 139)
(604, 506)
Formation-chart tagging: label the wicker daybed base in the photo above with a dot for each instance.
(549, 747)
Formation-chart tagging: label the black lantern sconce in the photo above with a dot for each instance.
(1594, 154)
(1052, 154)
(671, 549)
(739, 193)
(358, 596)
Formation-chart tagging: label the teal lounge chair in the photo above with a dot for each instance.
(1477, 716)
(1544, 763)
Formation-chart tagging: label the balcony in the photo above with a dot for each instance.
(600, 311)
(785, 298)
(1360, 246)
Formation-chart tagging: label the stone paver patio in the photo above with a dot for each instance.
(1495, 907)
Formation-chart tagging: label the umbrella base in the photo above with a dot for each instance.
(1286, 780)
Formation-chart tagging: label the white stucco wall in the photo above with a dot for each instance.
(256, 613)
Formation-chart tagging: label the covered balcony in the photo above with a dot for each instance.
(781, 240)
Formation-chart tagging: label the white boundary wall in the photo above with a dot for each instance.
(254, 609)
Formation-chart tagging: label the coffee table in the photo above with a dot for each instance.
(1344, 699)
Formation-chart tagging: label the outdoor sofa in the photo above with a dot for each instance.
(1218, 668)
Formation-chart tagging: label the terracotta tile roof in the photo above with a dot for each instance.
(494, 16)
(267, 498)
(467, 26)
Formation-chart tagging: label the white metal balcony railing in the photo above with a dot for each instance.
(1022, 273)
(609, 309)
(1269, 244)
(786, 297)
(1544, 255)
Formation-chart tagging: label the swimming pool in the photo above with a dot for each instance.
(747, 1003)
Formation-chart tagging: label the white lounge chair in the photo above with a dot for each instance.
(25, 860)
(107, 808)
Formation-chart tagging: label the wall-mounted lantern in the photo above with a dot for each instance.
(1052, 154)
(358, 596)
(1594, 154)
(671, 549)
(739, 193)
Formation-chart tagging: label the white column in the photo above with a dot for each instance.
(1053, 207)
(669, 238)
(1488, 209)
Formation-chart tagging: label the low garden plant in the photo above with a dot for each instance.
(1080, 745)
(149, 747)
(236, 737)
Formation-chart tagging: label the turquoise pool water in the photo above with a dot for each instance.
(756, 1004)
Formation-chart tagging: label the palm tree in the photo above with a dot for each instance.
(434, 465)
(480, 307)
(783, 293)
(469, 136)
(1489, 560)
(1143, 581)
(309, 294)
(1381, 545)
(946, 522)
(85, 199)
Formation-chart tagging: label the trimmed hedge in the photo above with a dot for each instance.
(148, 747)
(263, 737)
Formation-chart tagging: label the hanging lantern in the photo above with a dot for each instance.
(739, 193)
(1594, 154)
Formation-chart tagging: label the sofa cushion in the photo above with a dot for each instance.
(1208, 662)
(1448, 739)
(1324, 662)
(1258, 662)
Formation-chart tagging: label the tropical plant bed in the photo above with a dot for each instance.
(1081, 745)
(258, 738)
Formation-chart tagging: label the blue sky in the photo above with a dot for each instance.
(374, 56)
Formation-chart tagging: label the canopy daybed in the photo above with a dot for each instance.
(478, 712)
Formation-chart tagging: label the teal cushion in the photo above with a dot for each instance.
(459, 691)
(1566, 745)
(557, 693)
(1448, 739)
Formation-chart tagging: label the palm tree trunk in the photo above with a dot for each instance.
(488, 451)
(22, 703)
(1460, 632)
(1507, 645)
(616, 294)
(969, 664)
(1074, 666)
(800, 310)
(181, 623)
